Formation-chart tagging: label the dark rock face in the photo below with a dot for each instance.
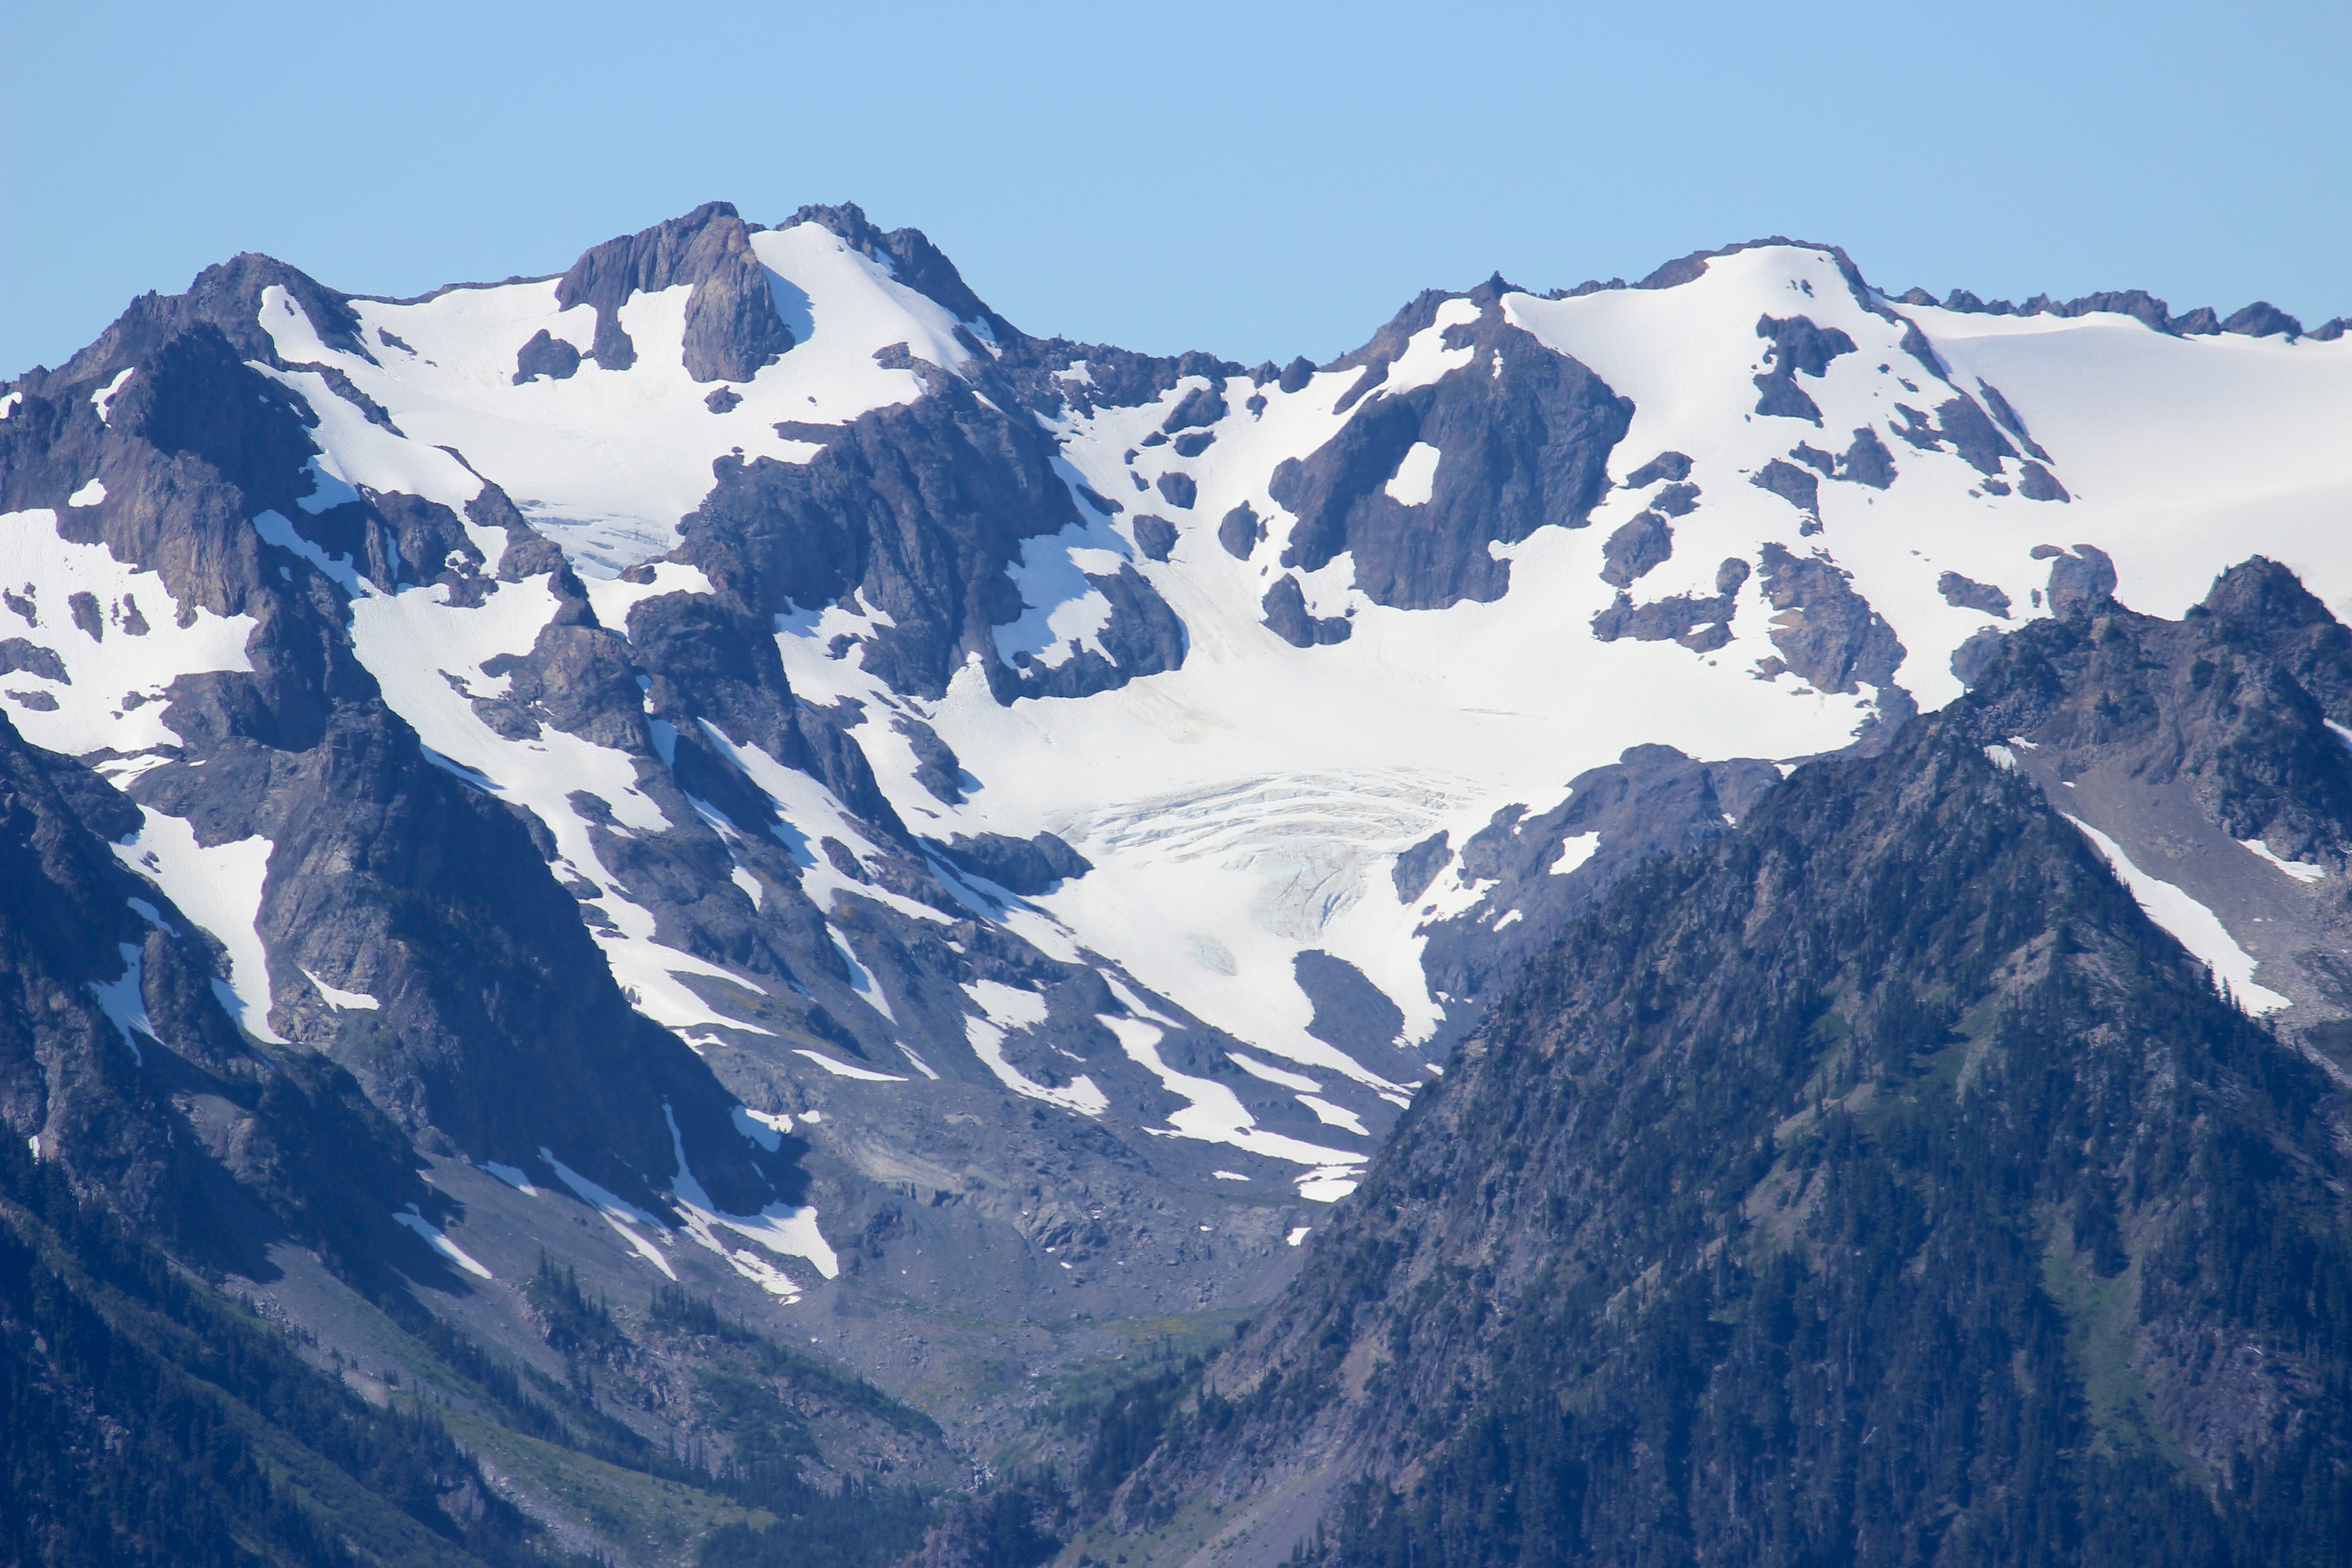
(1973, 658)
(1114, 377)
(203, 1140)
(1179, 491)
(2035, 482)
(227, 298)
(1635, 547)
(2083, 583)
(1965, 592)
(1867, 461)
(1792, 485)
(710, 662)
(1797, 345)
(1241, 532)
(2231, 703)
(2007, 418)
(1027, 867)
(938, 769)
(1701, 624)
(1977, 440)
(914, 262)
(1156, 536)
(1675, 501)
(1350, 1011)
(1418, 867)
(919, 509)
(731, 325)
(1285, 606)
(195, 398)
(1143, 636)
(1523, 449)
(1201, 406)
(1971, 433)
(2259, 319)
(1826, 633)
(1917, 430)
(17, 654)
(1665, 466)
(549, 356)
(2136, 303)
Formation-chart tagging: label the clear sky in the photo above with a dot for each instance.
(1259, 179)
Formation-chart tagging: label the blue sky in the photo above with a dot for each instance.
(1259, 180)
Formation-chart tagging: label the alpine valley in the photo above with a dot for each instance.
(719, 909)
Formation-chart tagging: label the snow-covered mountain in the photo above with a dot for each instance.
(868, 800)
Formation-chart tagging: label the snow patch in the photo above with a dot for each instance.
(513, 1176)
(842, 1070)
(2194, 926)
(1212, 1113)
(783, 1229)
(356, 1001)
(103, 398)
(440, 1243)
(91, 714)
(1329, 1187)
(1574, 851)
(1259, 1069)
(761, 1127)
(2300, 871)
(125, 1001)
(1332, 1115)
(276, 528)
(1415, 479)
(1005, 1009)
(91, 494)
(622, 1216)
(219, 887)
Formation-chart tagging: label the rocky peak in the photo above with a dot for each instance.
(731, 324)
(913, 260)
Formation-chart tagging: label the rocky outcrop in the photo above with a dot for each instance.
(1635, 548)
(1699, 624)
(731, 325)
(1287, 617)
(1827, 634)
(1798, 346)
(1967, 593)
(918, 510)
(1526, 435)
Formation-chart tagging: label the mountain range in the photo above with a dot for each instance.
(746, 891)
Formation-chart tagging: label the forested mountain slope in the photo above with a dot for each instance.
(1877, 1184)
